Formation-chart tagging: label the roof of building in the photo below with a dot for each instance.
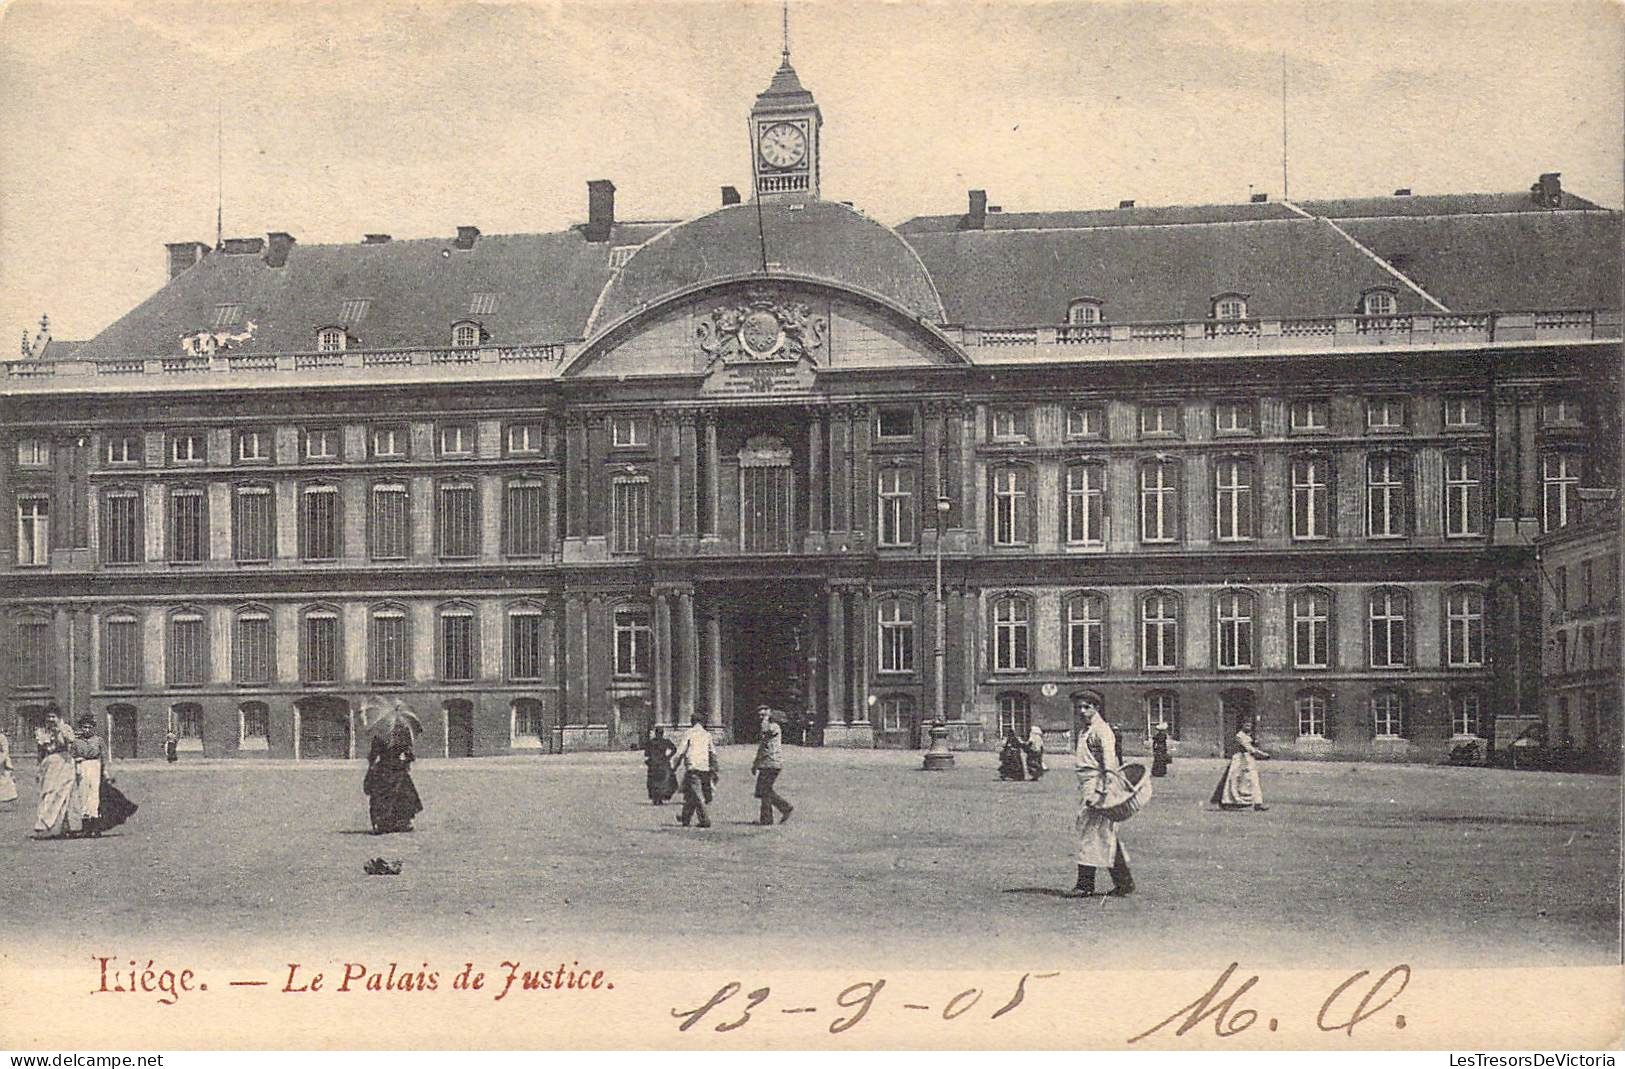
(819, 240)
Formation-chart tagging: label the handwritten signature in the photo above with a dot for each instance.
(1231, 1019)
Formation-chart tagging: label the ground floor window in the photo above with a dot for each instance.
(527, 722)
(1311, 706)
(1388, 714)
(1465, 714)
(1015, 714)
(186, 721)
(896, 712)
(254, 726)
(1162, 707)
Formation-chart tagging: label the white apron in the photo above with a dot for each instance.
(1097, 833)
(90, 787)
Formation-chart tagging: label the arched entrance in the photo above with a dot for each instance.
(324, 727)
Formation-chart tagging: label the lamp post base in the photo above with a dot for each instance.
(937, 758)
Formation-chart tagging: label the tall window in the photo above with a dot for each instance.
(1086, 504)
(897, 506)
(1086, 633)
(1389, 614)
(188, 525)
(389, 528)
(629, 514)
(1560, 480)
(525, 519)
(388, 645)
(896, 622)
(186, 660)
(1234, 615)
(1162, 707)
(1464, 638)
(1159, 630)
(319, 646)
(1311, 629)
(251, 646)
(122, 536)
(1310, 417)
(121, 650)
(319, 523)
(33, 656)
(457, 653)
(253, 534)
(457, 520)
(1010, 503)
(1159, 421)
(1463, 495)
(1015, 715)
(1466, 714)
(33, 529)
(633, 642)
(188, 720)
(1012, 634)
(1233, 499)
(1387, 494)
(1311, 706)
(1311, 498)
(1388, 714)
(1159, 501)
(527, 644)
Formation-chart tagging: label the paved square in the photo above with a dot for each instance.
(1447, 866)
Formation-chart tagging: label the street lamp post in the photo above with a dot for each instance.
(938, 757)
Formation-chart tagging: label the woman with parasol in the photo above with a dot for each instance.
(393, 797)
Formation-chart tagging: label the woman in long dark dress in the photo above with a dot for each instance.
(1013, 758)
(388, 784)
(661, 783)
(1159, 751)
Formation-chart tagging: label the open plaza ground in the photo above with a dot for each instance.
(1449, 866)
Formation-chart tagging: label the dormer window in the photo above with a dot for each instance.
(1379, 303)
(1084, 310)
(465, 335)
(1230, 306)
(332, 340)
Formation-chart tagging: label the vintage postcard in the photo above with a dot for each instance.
(707, 525)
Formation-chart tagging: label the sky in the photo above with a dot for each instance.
(337, 118)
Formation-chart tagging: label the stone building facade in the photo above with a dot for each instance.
(1200, 463)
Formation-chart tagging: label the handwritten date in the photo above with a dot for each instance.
(852, 1005)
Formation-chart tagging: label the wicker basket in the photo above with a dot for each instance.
(1129, 791)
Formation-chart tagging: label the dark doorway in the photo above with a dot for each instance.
(30, 718)
(459, 728)
(123, 730)
(324, 727)
(1236, 709)
(768, 653)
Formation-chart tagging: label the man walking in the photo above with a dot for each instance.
(768, 764)
(1098, 845)
(695, 763)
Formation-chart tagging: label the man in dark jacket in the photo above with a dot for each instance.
(768, 764)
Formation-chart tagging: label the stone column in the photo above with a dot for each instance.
(575, 479)
(689, 452)
(575, 659)
(597, 476)
(662, 659)
(835, 657)
(861, 611)
(817, 489)
(838, 515)
(863, 476)
(688, 660)
(713, 667)
(713, 476)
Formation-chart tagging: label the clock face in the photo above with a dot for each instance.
(783, 145)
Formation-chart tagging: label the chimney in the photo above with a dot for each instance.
(730, 196)
(1261, 198)
(976, 217)
(600, 209)
(1548, 191)
(1125, 204)
(375, 239)
(184, 254)
(278, 244)
(466, 236)
(1403, 191)
(252, 246)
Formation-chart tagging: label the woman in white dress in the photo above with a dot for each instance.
(8, 783)
(1098, 844)
(1239, 787)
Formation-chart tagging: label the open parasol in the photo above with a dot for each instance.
(380, 717)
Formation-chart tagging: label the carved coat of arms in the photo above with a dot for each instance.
(764, 327)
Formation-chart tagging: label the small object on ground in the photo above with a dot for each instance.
(381, 867)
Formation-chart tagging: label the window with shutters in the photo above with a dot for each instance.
(319, 650)
(1159, 631)
(634, 642)
(389, 524)
(388, 646)
(1086, 504)
(319, 523)
(186, 660)
(1015, 715)
(1560, 483)
(1086, 632)
(122, 657)
(457, 521)
(1388, 714)
(1012, 633)
(1234, 612)
(253, 530)
(1312, 707)
(1010, 489)
(1389, 616)
(122, 534)
(1463, 495)
(1464, 628)
(252, 655)
(1311, 629)
(33, 529)
(1311, 498)
(1387, 495)
(895, 619)
(188, 525)
(528, 634)
(1233, 499)
(458, 655)
(34, 658)
(896, 507)
(629, 515)
(1159, 501)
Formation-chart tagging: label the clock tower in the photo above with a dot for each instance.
(784, 137)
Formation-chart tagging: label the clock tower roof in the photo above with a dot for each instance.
(785, 91)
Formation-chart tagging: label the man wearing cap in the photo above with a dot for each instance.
(695, 764)
(768, 764)
(1098, 845)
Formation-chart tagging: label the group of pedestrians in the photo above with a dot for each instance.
(691, 764)
(1023, 759)
(77, 795)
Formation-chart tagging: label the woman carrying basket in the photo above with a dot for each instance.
(1098, 845)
